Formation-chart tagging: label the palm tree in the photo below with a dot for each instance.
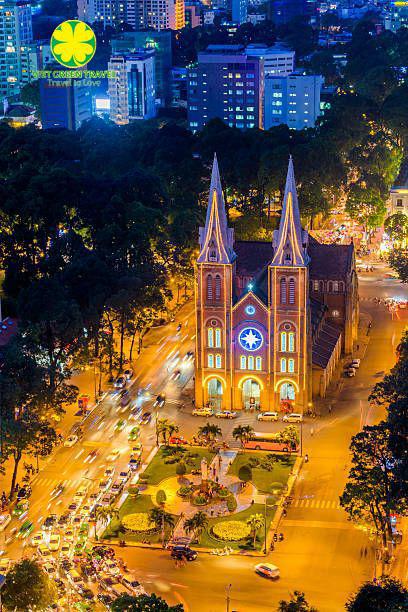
(209, 431)
(255, 521)
(290, 435)
(161, 518)
(172, 428)
(243, 433)
(164, 427)
(104, 514)
(196, 523)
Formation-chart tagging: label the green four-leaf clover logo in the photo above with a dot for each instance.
(73, 43)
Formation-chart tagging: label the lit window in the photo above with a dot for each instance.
(243, 362)
(283, 338)
(258, 363)
(335, 313)
(291, 291)
(218, 361)
(291, 365)
(218, 337)
(315, 285)
(217, 287)
(291, 343)
(336, 286)
(283, 291)
(210, 337)
(209, 288)
(250, 363)
(210, 360)
(283, 365)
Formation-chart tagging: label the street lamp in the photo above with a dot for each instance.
(227, 595)
(265, 532)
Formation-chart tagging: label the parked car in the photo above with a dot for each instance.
(350, 372)
(292, 417)
(177, 440)
(183, 552)
(267, 570)
(117, 487)
(206, 412)
(120, 382)
(355, 363)
(128, 374)
(54, 542)
(225, 414)
(268, 416)
(124, 475)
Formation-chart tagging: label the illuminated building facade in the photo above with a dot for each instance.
(267, 336)
(15, 35)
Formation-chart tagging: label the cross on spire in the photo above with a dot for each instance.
(216, 238)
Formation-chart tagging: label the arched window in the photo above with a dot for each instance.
(283, 365)
(291, 365)
(330, 287)
(250, 362)
(209, 288)
(242, 362)
(315, 285)
(291, 291)
(291, 342)
(341, 287)
(210, 360)
(336, 286)
(321, 286)
(283, 290)
(218, 337)
(283, 339)
(258, 363)
(210, 337)
(217, 287)
(218, 361)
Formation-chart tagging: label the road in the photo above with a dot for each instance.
(321, 552)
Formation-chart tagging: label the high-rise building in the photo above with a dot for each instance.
(293, 100)
(15, 35)
(283, 11)
(397, 16)
(160, 42)
(132, 92)
(277, 60)
(193, 14)
(65, 103)
(164, 14)
(111, 12)
(239, 9)
(226, 82)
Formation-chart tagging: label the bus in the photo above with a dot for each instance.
(270, 442)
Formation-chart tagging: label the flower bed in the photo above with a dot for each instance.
(138, 522)
(231, 531)
(184, 491)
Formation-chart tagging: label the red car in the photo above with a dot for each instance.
(177, 440)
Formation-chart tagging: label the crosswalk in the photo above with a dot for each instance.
(43, 482)
(322, 504)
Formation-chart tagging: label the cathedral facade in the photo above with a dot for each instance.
(272, 319)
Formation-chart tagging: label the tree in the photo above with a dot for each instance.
(161, 497)
(27, 587)
(181, 468)
(255, 522)
(386, 594)
(396, 227)
(142, 603)
(210, 431)
(196, 524)
(104, 514)
(245, 473)
(290, 435)
(166, 429)
(243, 433)
(297, 603)
(398, 260)
(161, 519)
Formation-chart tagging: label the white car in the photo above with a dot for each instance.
(268, 416)
(202, 412)
(4, 565)
(4, 521)
(113, 455)
(71, 440)
(267, 570)
(355, 363)
(69, 535)
(293, 417)
(37, 539)
(54, 542)
(225, 414)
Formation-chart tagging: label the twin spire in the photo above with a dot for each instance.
(217, 239)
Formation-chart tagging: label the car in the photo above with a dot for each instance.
(74, 577)
(73, 506)
(160, 400)
(57, 490)
(5, 564)
(176, 374)
(120, 425)
(189, 356)
(125, 399)
(268, 416)
(86, 593)
(177, 440)
(109, 472)
(79, 547)
(107, 500)
(350, 372)
(183, 552)
(71, 440)
(103, 551)
(124, 475)
(134, 433)
(60, 585)
(135, 413)
(63, 519)
(37, 539)
(133, 464)
(107, 581)
(90, 458)
(65, 548)
(93, 498)
(49, 522)
(113, 455)
(85, 511)
(104, 484)
(225, 414)
(292, 417)
(49, 568)
(120, 382)
(106, 600)
(84, 529)
(267, 570)
(128, 374)
(131, 583)
(112, 567)
(203, 412)
(21, 508)
(43, 550)
(54, 542)
(23, 493)
(146, 418)
(4, 521)
(66, 564)
(26, 528)
(355, 363)
(76, 520)
(117, 487)
(69, 535)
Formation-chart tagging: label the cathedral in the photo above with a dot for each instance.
(272, 318)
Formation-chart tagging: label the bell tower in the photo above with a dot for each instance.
(214, 273)
(289, 305)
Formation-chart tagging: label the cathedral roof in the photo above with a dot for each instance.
(329, 261)
(252, 256)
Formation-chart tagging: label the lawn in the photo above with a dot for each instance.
(132, 504)
(264, 480)
(209, 541)
(158, 470)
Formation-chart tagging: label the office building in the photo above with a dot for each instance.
(164, 14)
(397, 16)
(293, 100)
(277, 60)
(15, 34)
(65, 103)
(179, 86)
(111, 12)
(283, 11)
(239, 11)
(399, 191)
(132, 93)
(227, 83)
(160, 42)
(193, 15)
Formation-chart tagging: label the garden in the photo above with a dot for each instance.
(172, 461)
(268, 472)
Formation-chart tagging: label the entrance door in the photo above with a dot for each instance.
(287, 392)
(215, 393)
(251, 394)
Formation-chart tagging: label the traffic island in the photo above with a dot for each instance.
(268, 472)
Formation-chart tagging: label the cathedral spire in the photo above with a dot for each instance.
(290, 240)
(216, 238)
